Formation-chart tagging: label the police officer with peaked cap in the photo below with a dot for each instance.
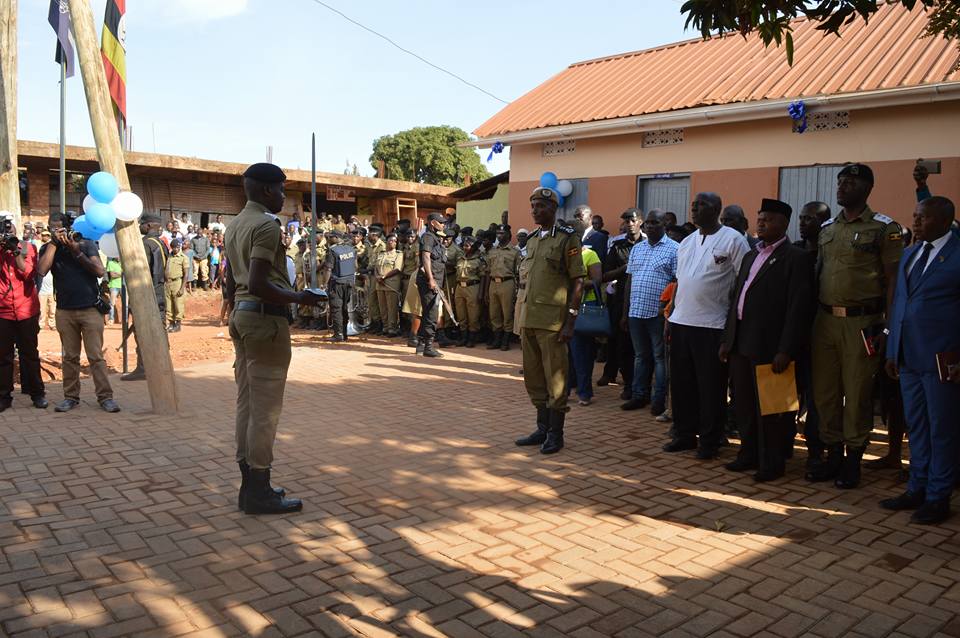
(856, 265)
(554, 288)
(341, 264)
(258, 284)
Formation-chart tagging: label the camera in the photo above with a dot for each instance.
(9, 241)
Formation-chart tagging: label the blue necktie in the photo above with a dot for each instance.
(913, 280)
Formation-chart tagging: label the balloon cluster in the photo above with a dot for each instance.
(798, 113)
(563, 186)
(103, 207)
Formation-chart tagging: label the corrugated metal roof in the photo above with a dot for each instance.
(890, 52)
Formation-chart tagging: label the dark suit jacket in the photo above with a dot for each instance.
(926, 321)
(597, 241)
(778, 309)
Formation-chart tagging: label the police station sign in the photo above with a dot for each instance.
(341, 194)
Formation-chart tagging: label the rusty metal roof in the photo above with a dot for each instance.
(889, 52)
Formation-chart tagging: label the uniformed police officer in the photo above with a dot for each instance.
(856, 265)
(430, 276)
(258, 285)
(387, 266)
(341, 265)
(502, 261)
(375, 246)
(174, 288)
(553, 290)
(411, 260)
(470, 273)
(157, 253)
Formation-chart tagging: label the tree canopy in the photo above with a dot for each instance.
(429, 154)
(771, 18)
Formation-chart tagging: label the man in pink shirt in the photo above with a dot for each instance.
(768, 323)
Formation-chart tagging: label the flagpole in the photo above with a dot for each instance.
(313, 211)
(63, 133)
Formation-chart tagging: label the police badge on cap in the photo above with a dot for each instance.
(548, 194)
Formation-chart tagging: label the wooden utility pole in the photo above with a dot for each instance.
(9, 172)
(151, 337)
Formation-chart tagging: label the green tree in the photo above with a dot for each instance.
(771, 18)
(430, 155)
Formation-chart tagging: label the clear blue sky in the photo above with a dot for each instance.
(223, 79)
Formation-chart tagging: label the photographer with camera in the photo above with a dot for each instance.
(19, 317)
(76, 265)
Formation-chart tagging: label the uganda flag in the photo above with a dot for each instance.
(113, 50)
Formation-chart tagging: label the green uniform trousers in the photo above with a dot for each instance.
(388, 300)
(373, 301)
(174, 305)
(501, 305)
(545, 367)
(843, 378)
(261, 344)
(466, 300)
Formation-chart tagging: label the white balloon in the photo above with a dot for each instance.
(108, 244)
(565, 187)
(127, 206)
(88, 201)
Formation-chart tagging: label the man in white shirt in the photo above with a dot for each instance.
(707, 266)
(218, 225)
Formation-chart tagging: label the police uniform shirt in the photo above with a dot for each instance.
(852, 256)
(502, 262)
(177, 267)
(386, 262)
(471, 269)
(410, 261)
(255, 234)
(553, 261)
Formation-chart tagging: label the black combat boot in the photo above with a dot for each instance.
(849, 477)
(540, 434)
(828, 468)
(464, 337)
(245, 485)
(495, 341)
(429, 350)
(505, 343)
(554, 442)
(262, 499)
(443, 340)
(472, 338)
(419, 345)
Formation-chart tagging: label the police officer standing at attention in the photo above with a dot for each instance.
(856, 266)
(157, 254)
(553, 290)
(503, 262)
(341, 264)
(258, 284)
(430, 276)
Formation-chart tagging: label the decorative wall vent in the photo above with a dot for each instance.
(563, 147)
(828, 120)
(664, 137)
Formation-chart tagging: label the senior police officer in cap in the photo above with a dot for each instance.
(502, 262)
(856, 266)
(430, 276)
(341, 264)
(258, 284)
(553, 290)
(157, 254)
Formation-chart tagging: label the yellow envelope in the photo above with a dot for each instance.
(777, 392)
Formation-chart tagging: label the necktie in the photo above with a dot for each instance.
(913, 280)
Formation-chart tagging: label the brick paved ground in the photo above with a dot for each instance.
(423, 519)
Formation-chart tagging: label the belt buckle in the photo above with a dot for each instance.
(463, 284)
(838, 311)
(499, 280)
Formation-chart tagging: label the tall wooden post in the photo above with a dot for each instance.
(9, 173)
(151, 337)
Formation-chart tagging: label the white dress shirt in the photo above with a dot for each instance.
(938, 245)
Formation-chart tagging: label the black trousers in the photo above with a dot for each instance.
(429, 311)
(698, 383)
(619, 345)
(339, 294)
(763, 439)
(811, 429)
(23, 336)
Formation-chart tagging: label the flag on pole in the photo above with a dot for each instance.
(114, 53)
(59, 18)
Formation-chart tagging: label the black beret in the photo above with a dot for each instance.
(862, 171)
(266, 173)
(775, 206)
(150, 218)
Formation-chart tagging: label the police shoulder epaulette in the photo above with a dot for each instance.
(826, 223)
(882, 218)
(563, 228)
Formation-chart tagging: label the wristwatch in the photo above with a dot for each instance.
(573, 311)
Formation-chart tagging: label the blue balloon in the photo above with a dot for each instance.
(83, 227)
(101, 218)
(549, 180)
(103, 187)
(560, 197)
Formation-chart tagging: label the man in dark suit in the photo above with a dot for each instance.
(923, 324)
(768, 323)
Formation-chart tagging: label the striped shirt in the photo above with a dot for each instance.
(651, 268)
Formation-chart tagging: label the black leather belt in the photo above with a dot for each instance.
(464, 284)
(873, 308)
(262, 308)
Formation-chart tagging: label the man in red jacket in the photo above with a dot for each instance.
(19, 317)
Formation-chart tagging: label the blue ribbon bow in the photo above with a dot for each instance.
(497, 148)
(798, 113)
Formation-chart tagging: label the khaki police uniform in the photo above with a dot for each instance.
(373, 297)
(519, 309)
(261, 338)
(852, 294)
(176, 270)
(554, 262)
(411, 262)
(388, 292)
(469, 272)
(502, 262)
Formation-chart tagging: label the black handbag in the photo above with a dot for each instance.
(593, 321)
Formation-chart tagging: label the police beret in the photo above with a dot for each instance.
(862, 171)
(176, 243)
(336, 233)
(266, 173)
(548, 194)
(150, 218)
(775, 206)
(631, 213)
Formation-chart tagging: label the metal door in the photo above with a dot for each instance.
(579, 197)
(802, 184)
(666, 193)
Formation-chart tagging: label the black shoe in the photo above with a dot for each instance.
(906, 501)
(765, 476)
(40, 402)
(472, 338)
(443, 341)
(420, 346)
(5, 403)
(178, 327)
(137, 374)
(828, 468)
(932, 513)
(679, 445)
(540, 434)
(430, 351)
(604, 380)
(462, 341)
(505, 343)
(635, 404)
(849, 477)
(66, 405)
(707, 453)
(245, 485)
(495, 342)
(626, 393)
(657, 408)
(413, 342)
(170, 327)
(262, 499)
(109, 405)
(554, 440)
(336, 338)
(741, 465)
